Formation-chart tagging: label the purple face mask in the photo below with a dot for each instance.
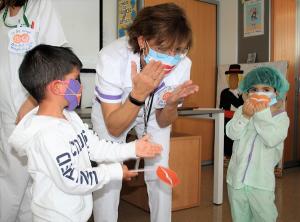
(72, 93)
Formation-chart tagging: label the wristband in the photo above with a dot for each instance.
(135, 101)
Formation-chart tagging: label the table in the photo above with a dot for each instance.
(218, 116)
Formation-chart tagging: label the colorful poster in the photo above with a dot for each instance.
(253, 18)
(127, 10)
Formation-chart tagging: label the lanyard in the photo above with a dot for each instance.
(147, 108)
(24, 17)
(147, 111)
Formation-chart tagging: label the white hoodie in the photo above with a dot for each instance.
(59, 153)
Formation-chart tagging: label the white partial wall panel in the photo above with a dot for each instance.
(81, 24)
(109, 21)
(228, 32)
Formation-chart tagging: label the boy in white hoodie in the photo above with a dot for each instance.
(59, 146)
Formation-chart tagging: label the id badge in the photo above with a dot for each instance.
(163, 95)
(21, 40)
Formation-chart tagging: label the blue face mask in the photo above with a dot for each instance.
(273, 101)
(168, 61)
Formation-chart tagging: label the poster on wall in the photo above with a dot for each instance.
(127, 10)
(253, 18)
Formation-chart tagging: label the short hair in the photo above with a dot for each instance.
(43, 64)
(162, 23)
(11, 3)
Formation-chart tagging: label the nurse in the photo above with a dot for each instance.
(23, 24)
(141, 80)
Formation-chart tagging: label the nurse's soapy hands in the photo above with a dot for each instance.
(147, 80)
(182, 91)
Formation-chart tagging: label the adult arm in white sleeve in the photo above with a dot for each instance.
(108, 89)
(271, 129)
(62, 166)
(236, 127)
(119, 116)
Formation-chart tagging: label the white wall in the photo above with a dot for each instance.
(228, 32)
(80, 21)
(109, 21)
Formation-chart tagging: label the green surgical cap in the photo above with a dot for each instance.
(265, 75)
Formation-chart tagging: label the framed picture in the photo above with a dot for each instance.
(127, 10)
(253, 18)
(251, 57)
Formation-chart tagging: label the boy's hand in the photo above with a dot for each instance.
(248, 109)
(127, 175)
(144, 148)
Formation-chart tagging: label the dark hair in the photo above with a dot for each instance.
(11, 3)
(43, 64)
(163, 23)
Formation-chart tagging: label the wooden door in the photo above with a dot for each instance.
(203, 19)
(297, 127)
(283, 45)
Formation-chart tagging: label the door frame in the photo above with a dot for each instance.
(297, 86)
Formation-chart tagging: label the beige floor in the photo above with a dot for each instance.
(287, 201)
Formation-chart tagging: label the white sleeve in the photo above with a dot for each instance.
(108, 151)
(61, 165)
(271, 129)
(108, 86)
(50, 28)
(103, 150)
(237, 126)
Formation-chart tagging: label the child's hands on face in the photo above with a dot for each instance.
(248, 109)
(278, 106)
(145, 148)
(127, 175)
(260, 106)
(254, 103)
(259, 102)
